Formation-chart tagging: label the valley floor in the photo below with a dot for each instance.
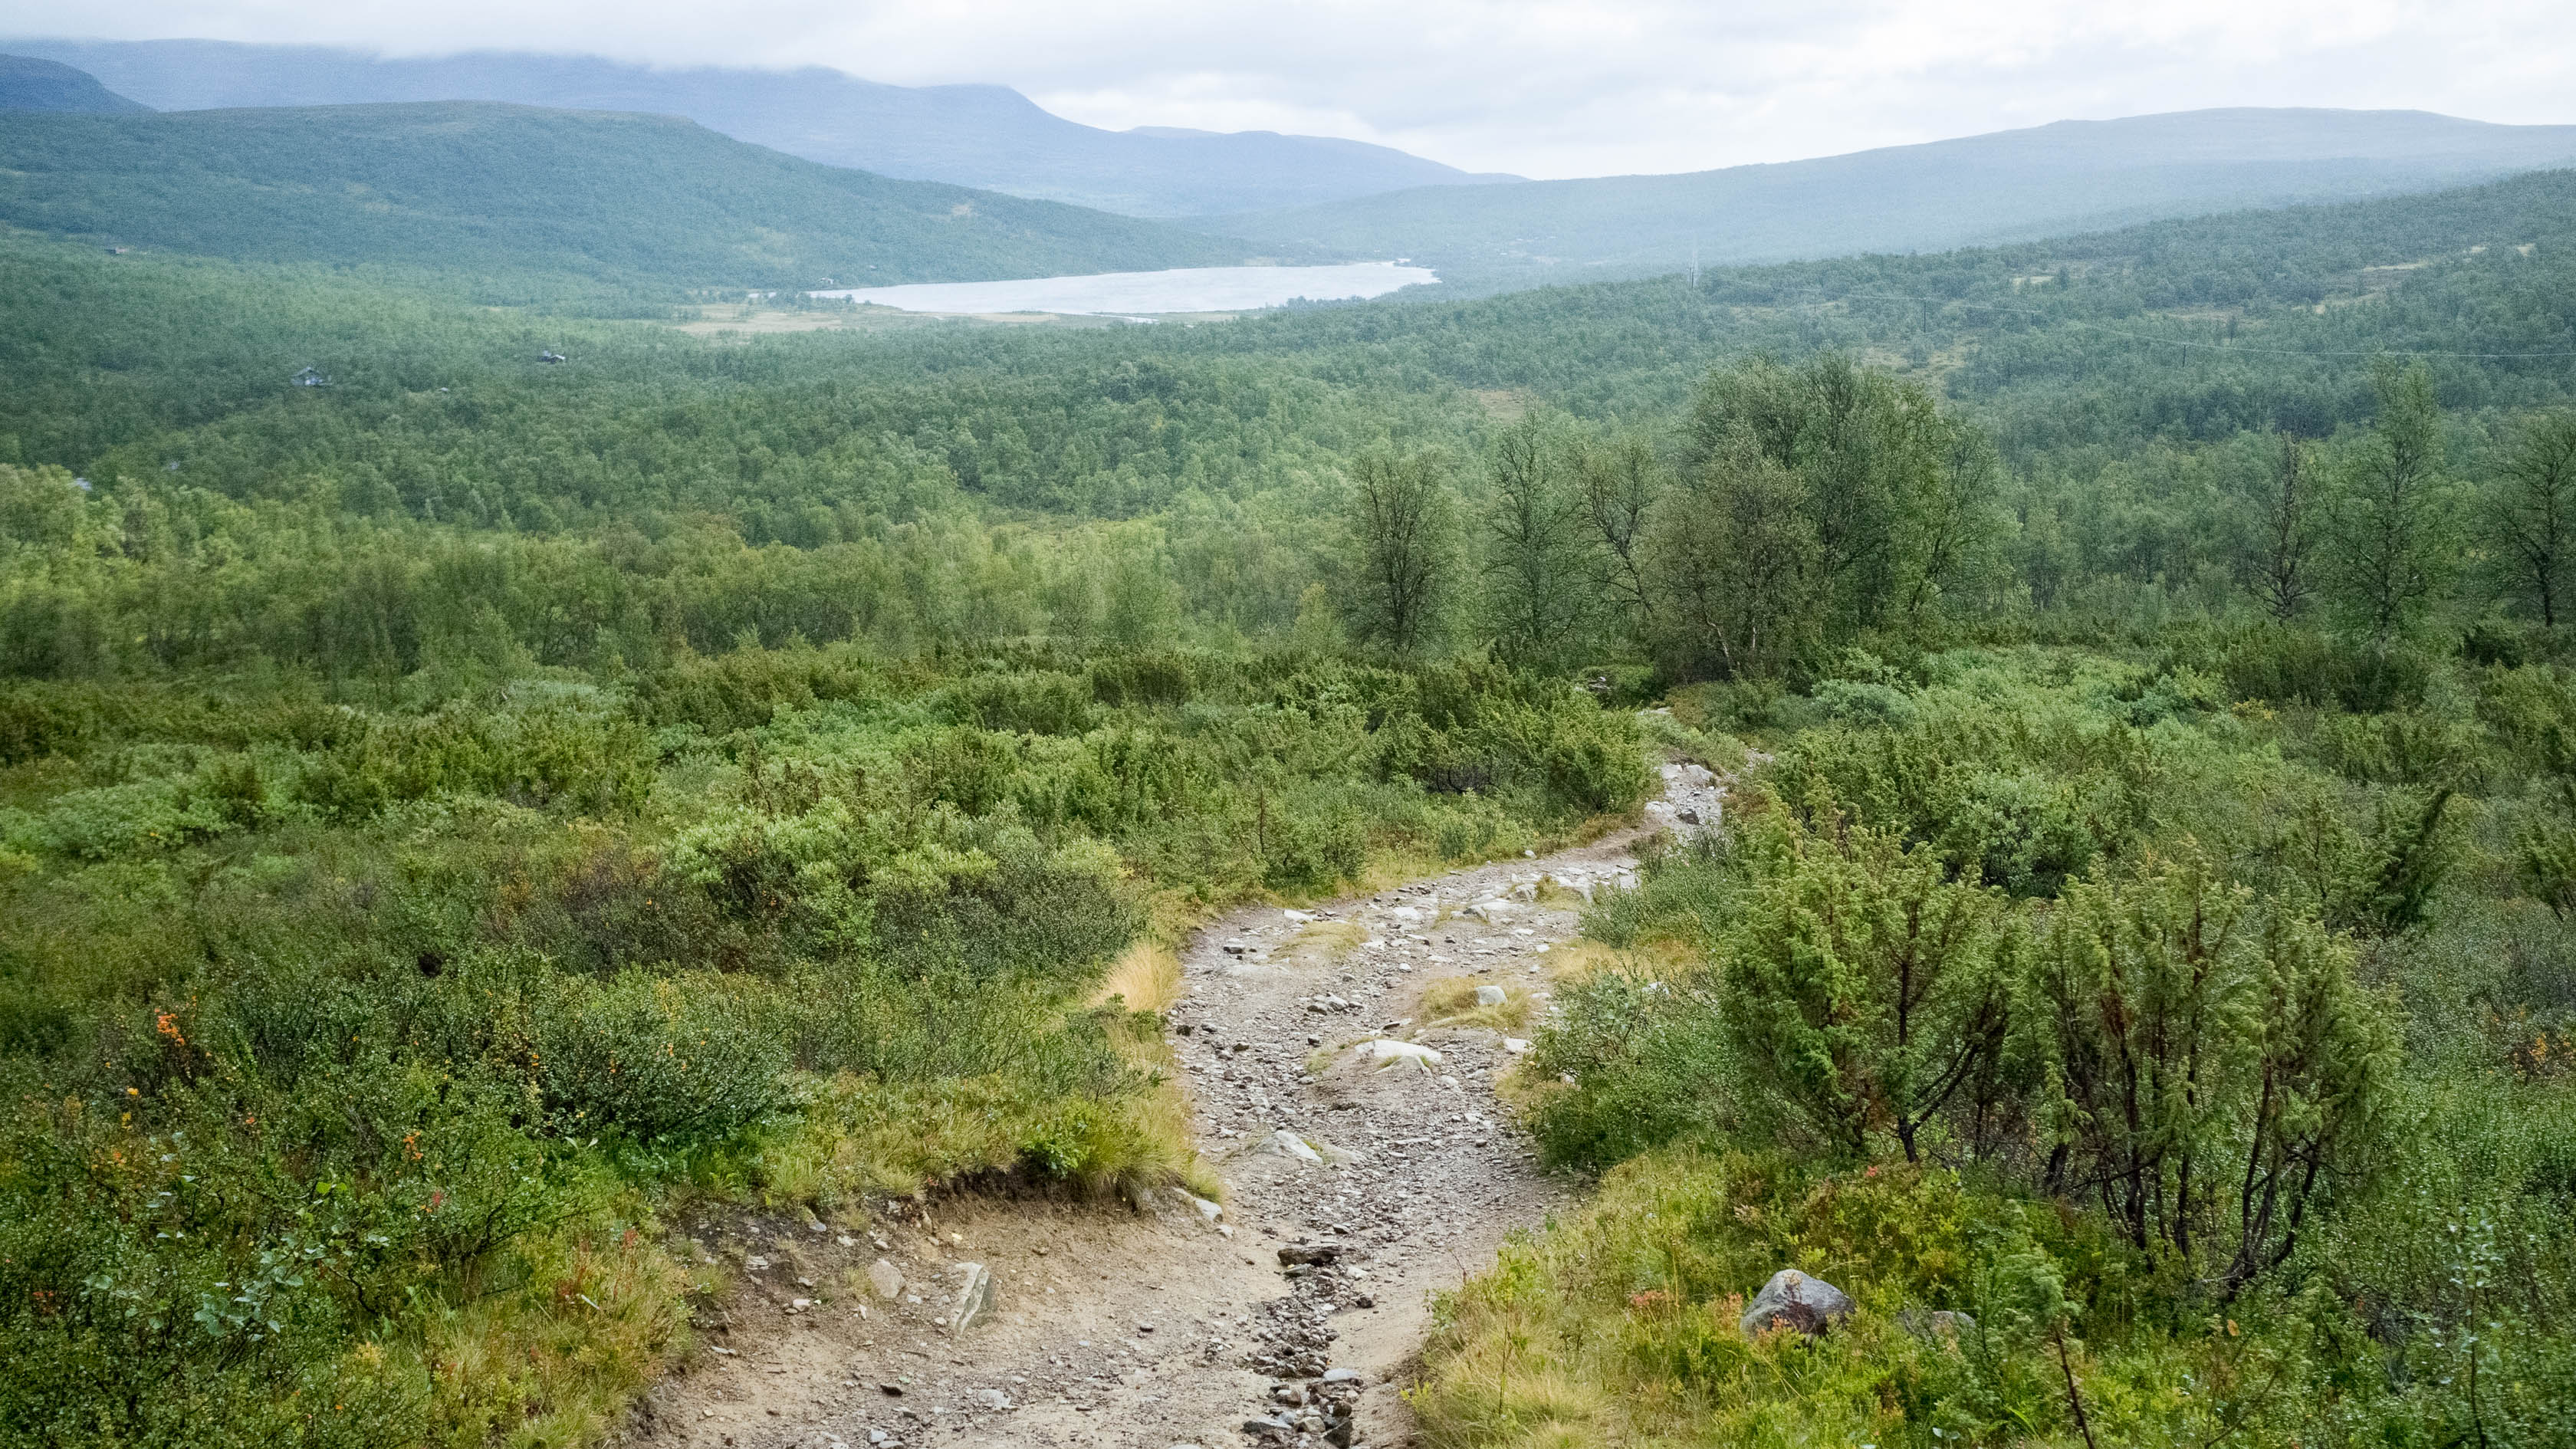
(1147, 1330)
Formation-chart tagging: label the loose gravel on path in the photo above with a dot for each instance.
(1362, 1176)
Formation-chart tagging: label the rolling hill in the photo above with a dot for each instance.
(2011, 185)
(29, 84)
(971, 135)
(649, 203)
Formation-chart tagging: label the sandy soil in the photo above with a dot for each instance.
(1162, 1327)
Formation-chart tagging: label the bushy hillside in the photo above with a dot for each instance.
(970, 135)
(2012, 185)
(501, 192)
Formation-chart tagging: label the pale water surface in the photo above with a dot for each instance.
(1183, 289)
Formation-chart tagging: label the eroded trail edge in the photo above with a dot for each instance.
(1342, 1063)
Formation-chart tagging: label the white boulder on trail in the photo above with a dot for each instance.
(1387, 1051)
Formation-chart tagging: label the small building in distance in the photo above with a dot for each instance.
(311, 377)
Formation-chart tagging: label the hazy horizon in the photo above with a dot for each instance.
(1537, 90)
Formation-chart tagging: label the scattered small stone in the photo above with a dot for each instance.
(974, 1295)
(885, 1279)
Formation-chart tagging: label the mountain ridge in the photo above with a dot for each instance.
(29, 83)
(489, 190)
(986, 136)
(1996, 187)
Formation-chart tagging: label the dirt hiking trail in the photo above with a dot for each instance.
(1367, 1165)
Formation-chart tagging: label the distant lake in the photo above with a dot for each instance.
(1182, 289)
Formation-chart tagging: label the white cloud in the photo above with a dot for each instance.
(1542, 87)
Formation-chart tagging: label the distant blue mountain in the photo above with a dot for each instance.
(30, 84)
(984, 136)
(2020, 185)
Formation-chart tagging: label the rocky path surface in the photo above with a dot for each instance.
(1342, 1063)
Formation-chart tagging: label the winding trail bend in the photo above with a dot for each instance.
(1147, 1330)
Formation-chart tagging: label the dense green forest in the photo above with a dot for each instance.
(430, 803)
(515, 204)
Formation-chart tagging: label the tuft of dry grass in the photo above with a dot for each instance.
(1573, 960)
(1451, 1001)
(1146, 977)
(1324, 942)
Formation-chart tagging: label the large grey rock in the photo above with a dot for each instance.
(1491, 996)
(1793, 1300)
(974, 1295)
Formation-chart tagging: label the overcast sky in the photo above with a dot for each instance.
(1543, 89)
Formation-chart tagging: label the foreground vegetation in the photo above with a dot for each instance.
(451, 816)
(2196, 1030)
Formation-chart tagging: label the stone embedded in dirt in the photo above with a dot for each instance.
(755, 1264)
(1310, 1254)
(1515, 1045)
(993, 1399)
(1341, 1376)
(1793, 1300)
(1491, 996)
(885, 1279)
(892, 1391)
(1285, 1143)
(1208, 1210)
(974, 1296)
